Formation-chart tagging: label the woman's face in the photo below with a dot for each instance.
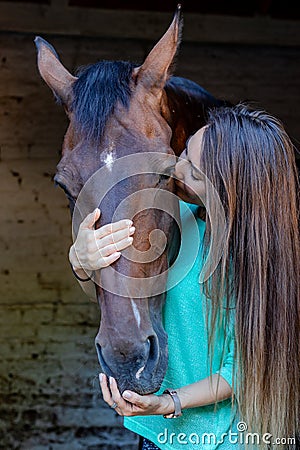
(190, 181)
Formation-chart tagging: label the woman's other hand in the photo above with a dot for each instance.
(96, 249)
(132, 404)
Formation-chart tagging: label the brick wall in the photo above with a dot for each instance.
(49, 394)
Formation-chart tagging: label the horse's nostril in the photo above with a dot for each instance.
(106, 369)
(142, 366)
(153, 353)
(98, 348)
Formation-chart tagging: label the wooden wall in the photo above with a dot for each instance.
(49, 394)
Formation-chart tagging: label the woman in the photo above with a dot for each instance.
(251, 302)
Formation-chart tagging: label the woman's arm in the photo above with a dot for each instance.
(96, 249)
(204, 392)
(88, 286)
(209, 390)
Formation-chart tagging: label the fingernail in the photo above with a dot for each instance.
(129, 239)
(127, 394)
(131, 230)
(116, 254)
(101, 376)
(129, 222)
(111, 380)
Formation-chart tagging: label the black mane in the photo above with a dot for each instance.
(98, 88)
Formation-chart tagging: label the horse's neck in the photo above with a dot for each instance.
(185, 109)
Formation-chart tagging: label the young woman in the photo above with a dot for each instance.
(241, 351)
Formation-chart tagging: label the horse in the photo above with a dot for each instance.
(117, 109)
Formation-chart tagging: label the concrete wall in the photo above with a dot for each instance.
(49, 394)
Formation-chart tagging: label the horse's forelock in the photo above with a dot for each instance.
(95, 93)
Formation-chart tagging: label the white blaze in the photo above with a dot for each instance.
(138, 374)
(108, 157)
(136, 313)
(138, 320)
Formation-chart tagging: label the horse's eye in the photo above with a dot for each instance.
(164, 176)
(70, 198)
(63, 187)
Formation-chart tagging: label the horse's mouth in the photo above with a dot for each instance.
(144, 377)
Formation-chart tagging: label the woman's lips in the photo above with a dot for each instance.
(182, 191)
(180, 185)
(184, 188)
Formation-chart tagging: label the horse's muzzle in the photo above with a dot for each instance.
(137, 366)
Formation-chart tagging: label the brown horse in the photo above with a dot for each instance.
(118, 109)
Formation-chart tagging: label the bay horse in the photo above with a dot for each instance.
(117, 109)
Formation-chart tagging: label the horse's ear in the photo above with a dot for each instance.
(53, 72)
(156, 69)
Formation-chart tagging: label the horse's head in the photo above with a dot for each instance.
(117, 109)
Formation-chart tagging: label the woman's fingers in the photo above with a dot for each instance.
(111, 394)
(102, 257)
(110, 249)
(89, 222)
(112, 228)
(142, 401)
(115, 237)
(90, 219)
(116, 396)
(96, 249)
(106, 261)
(105, 389)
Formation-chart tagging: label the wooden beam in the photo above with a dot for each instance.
(60, 4)
(59, 19)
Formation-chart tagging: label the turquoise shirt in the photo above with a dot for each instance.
(206, 427)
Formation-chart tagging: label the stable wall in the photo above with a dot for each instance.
(49, 394)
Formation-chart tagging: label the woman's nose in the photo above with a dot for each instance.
(178, 171)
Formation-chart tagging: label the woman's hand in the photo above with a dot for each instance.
(96, 249)
(132, 404)
(201, 393)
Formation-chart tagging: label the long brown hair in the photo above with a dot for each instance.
(250, 160)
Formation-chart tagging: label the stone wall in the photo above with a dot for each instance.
(49, 394)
